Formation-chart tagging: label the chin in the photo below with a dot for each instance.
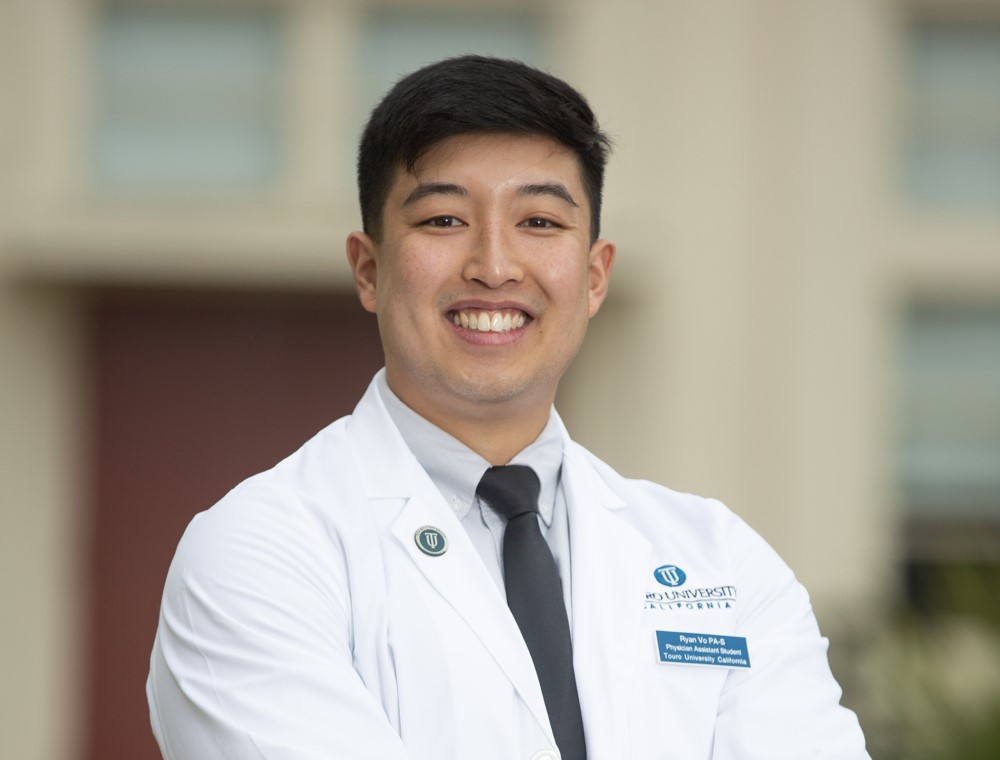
(503, 390)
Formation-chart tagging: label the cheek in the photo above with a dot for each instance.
(566, 282)
(412, 280)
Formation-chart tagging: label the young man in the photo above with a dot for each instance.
(376, 595)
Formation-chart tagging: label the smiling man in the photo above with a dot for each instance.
(445, 574)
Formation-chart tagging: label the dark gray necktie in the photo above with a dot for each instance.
(534, 595)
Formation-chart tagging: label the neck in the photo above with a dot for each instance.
(496, 443)
(497, 432)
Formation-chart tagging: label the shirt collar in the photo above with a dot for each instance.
(456, 469)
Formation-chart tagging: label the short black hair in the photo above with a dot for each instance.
(474, 94)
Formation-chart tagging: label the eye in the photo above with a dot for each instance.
(540, 223)
(443, 222)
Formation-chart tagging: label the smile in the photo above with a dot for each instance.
(489, 321)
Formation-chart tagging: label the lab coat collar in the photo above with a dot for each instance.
(386, 465)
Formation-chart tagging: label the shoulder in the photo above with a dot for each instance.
(282, 517)
(647, 500)
(688, 528)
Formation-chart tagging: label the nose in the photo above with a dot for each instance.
(493, 259)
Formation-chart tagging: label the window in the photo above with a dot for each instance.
(949, 463)
(188, 98)
(952, 157)
(951, 394)
(398, 43)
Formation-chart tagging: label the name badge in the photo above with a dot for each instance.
(712, 649)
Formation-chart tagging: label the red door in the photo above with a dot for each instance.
(192, 392)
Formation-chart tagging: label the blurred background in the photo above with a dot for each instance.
(805, 318)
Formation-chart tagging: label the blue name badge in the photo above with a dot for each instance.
(714, 649)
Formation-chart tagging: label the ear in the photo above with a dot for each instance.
(362, 255)
(602, 256)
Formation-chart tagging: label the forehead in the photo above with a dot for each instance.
(493, 163)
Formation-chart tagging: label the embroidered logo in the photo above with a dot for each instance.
(670, 575)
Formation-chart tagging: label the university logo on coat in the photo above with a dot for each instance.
(670, 575)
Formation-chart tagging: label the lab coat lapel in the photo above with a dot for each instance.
(608, 563)
(459, 576)
(389, 470)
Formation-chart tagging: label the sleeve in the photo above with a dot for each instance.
(253, 653)
(787, 704)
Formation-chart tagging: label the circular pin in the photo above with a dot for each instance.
(431, 541)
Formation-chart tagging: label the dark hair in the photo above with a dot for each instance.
(472, 94)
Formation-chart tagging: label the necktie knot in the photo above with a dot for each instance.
(511, 490)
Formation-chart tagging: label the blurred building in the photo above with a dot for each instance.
(805, 318)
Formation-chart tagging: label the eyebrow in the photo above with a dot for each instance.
(434, 188)
(555, 189)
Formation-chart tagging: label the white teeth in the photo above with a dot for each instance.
(484, 321)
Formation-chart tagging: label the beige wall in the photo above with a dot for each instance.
(745, 353)
(43, 636)
(749, 200)
(40, 707)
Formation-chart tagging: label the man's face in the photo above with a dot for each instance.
(485, 278)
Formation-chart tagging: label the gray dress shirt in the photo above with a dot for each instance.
(456, 471)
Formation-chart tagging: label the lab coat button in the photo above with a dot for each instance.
(546, 754)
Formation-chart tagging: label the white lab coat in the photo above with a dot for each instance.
(301, 620)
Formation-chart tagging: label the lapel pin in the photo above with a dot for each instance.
(431, 541)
